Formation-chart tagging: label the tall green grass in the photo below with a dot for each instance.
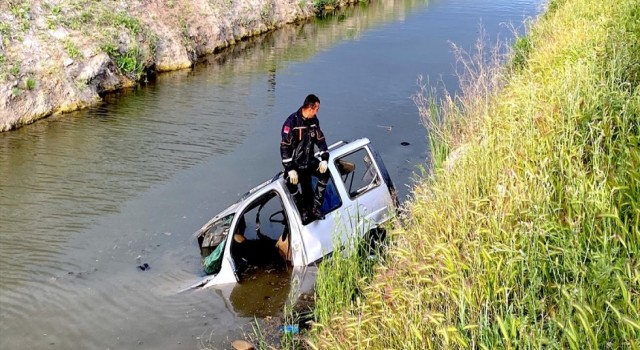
(341, 276)
(530, 238)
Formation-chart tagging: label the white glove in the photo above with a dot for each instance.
(323, 166)
(293, 177)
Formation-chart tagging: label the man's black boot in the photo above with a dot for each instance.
(316, 214)
(309, 216)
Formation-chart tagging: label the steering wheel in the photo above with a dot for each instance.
(272, 217)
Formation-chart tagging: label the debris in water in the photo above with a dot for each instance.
(144, 267)
(290, 329)
(405, 143)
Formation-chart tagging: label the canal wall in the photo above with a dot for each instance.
(62, 55)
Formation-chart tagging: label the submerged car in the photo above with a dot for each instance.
(265, 225)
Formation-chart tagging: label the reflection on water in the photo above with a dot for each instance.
(86, 197)
(261, 294)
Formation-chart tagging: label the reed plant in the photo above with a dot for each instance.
(259, 339)
(343, 275)
(530, 238)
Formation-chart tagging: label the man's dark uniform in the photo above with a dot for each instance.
(299, 136)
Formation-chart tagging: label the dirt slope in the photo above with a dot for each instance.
(60, 55)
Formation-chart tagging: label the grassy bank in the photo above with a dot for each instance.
(531, 238)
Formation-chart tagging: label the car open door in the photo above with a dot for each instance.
(365, 199)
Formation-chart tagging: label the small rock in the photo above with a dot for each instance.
(68, 62)
(59, 33)
(29, 42)
(242, 345)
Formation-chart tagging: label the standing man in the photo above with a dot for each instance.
(300, 134)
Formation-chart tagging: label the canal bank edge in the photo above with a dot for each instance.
(58, 56)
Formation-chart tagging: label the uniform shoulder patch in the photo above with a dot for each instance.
(286, 129)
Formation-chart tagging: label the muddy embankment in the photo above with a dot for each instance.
(62, 55)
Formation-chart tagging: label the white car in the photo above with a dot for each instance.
(265, 224)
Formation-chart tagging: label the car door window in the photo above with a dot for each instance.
(331, 197)
(358, 172)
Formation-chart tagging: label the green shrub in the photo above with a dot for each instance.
(320, 5)
(31, 83)
(72, 49)
(21, 12)
(129, 62)
(5, 29)
(15, 69)
(521, 48)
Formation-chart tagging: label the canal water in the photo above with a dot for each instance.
(87, 198)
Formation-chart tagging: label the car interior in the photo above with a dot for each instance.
(260, 227)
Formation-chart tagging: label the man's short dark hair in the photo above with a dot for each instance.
(310, 101)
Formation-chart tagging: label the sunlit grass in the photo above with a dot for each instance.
(343, 275)
(531, 237)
